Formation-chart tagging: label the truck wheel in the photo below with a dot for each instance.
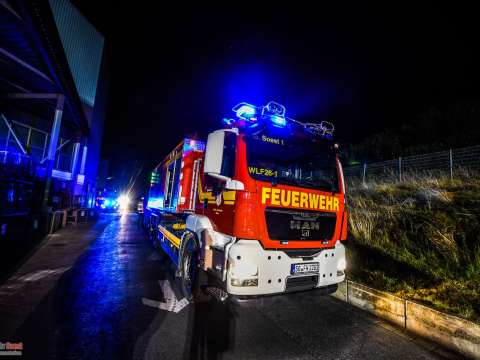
(190, 274)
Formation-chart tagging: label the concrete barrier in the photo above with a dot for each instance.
(452, 332)
(341, 293)
(379, 303)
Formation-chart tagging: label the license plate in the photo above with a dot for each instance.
(304, 268)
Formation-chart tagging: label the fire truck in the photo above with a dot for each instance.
(259, 209)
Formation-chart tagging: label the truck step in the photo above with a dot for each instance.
(217, 293)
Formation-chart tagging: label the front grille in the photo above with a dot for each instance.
(301, 253)
(301, 283)
(288, 225)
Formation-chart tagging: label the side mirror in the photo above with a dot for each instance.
(214, 155)
(220, 158)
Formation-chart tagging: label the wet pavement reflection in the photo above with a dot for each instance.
(114, 304)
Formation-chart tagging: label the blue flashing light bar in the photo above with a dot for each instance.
(246, 111)
(274, 108)
(273, 114)
(278, 120)
(193, 145)
(228, 121)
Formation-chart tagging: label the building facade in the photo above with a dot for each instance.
(53, 84)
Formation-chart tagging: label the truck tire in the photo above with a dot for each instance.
(189, 270)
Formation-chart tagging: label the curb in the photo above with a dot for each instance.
(457, 334)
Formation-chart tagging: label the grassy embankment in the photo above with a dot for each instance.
(419, 239)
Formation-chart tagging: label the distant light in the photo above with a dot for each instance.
(123, 201)
(278, 120)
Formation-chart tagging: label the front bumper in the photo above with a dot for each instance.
(270, 269)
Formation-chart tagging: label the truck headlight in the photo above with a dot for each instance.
(242, 269)
(243, 273)
(342, 264)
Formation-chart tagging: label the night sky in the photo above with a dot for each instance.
(178, 71)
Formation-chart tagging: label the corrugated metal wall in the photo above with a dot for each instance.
(83, 46)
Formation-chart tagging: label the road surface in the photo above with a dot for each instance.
(103, 292)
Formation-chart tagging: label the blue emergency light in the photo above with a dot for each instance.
(278, 120)
(245, 111)
(276, 113)
(273, 112)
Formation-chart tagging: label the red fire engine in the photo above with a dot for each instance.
(257, 210)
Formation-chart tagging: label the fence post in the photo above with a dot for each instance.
(451, 165)
(364, 172)
(400, 168)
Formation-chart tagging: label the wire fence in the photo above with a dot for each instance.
(450, 163)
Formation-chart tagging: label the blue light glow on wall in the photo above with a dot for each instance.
(155, 203)
(193, 145)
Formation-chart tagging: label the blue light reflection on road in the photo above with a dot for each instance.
(97, 314)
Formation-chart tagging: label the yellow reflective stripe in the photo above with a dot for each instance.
(201, 194)
(229, 195)
(167, 164)
(173, 239)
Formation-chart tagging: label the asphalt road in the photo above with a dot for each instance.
(113, 296)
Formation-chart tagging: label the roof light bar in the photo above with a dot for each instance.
(274, 113)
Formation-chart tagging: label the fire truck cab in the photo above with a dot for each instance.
(256, 210)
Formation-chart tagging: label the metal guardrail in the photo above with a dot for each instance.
(81, 215)
(442, 163)
(58, 220)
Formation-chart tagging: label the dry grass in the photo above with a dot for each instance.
(428, 226)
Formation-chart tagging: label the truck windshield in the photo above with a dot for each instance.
(304, 164)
